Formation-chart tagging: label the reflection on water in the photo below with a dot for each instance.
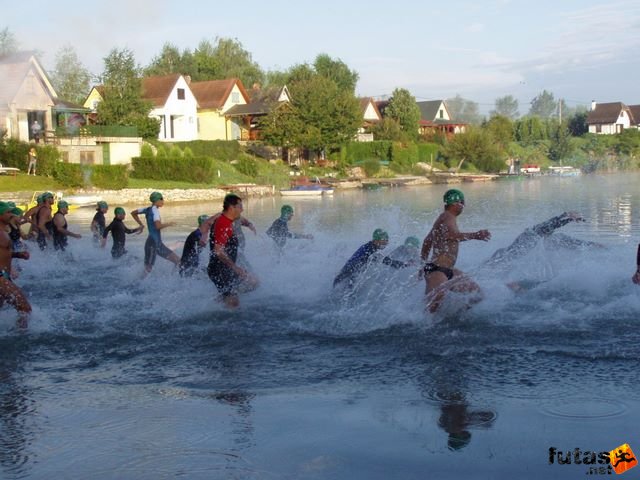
(119, 377)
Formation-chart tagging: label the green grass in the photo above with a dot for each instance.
(25, 183)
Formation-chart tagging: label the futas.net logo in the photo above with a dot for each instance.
(618, 460)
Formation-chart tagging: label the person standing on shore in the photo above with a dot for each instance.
(154, 246)
(33, 161)
(223, 269)
(444, 239)
(36, 131)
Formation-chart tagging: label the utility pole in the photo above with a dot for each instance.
(560, 111)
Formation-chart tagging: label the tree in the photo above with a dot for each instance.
(70, 78)
(227, 58)
(403, 108)
(205, 63)
(463, 110)
(170, 60)
(529, 130)
(8, 42)
(122, 101)
(477, 147)
(336, 70)
(388, 129)
(506, 106)
(501, 130)
(544, 105)
(628, 142)
(560, 146)
(320, 114)
(578, 124)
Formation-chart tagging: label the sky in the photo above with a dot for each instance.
(579, 50)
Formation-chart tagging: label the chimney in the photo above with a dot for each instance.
(593, 105)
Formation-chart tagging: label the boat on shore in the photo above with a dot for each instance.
(306, 191)
(565, 171)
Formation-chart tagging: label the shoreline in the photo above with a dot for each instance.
(125, 196)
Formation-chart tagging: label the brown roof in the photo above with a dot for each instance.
(606, 112)
(364, 103)
(214, 93)
(635, 114)
(157, 89)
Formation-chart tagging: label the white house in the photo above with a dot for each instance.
(609, 118)
(174, 105)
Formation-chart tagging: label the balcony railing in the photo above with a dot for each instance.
(97, 131)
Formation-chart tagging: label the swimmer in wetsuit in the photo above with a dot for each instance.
(98, 224)
(223, 269)
(118, 232)
(279, 229)
(9, 291)
(444, 239)
(59, 229)
(190, 260)
(154, 246)
(362, 257)
(636, 276)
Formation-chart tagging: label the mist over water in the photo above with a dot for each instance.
(119, 377)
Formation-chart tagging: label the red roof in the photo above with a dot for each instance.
(157, 89)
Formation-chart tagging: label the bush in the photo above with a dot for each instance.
(161, 152)
(69, 175)
(371, 167)
(357, 151)
(146, 150)
(108, 177)
(187, 153)
(194, 170)
(247, 166)
(175, 152)
(225, 150)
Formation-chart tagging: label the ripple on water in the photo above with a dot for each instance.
(585, 409)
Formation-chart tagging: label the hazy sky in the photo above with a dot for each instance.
(580, 50)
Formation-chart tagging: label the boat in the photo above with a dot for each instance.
(306, 191)
(565, 171)
(57, 196)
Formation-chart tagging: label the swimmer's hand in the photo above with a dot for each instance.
(139, 230)
(575, 216)
(636, 278)
(483, 235)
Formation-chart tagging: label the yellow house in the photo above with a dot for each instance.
(215, 98)
(96, 95)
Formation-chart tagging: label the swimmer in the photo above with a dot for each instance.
(9, 291)
(409, 252)
(154, 246)
(444, 238)
(366, 254)
(118, 233)
(98, 224)
(59, 227)
(279, 229)
(636, 276)
(190, 260)
(223, 269)
(43, 217)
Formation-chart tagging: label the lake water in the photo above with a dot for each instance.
(122, 378)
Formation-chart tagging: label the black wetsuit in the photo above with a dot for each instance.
(190, 259)
(225, 279)
(358, 262)
(59, 239)
(98, 218)
(279, 231)
(118, 233)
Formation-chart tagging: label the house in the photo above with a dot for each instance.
(370, 116)
(435, 117)
(26, 95)
(215, 98)
(610, 118)
(262, 103)
(173, 104)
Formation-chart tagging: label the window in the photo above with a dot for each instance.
(441, 113)
(235, 97)
(87, 158)
(598, 128)
(181, 94)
